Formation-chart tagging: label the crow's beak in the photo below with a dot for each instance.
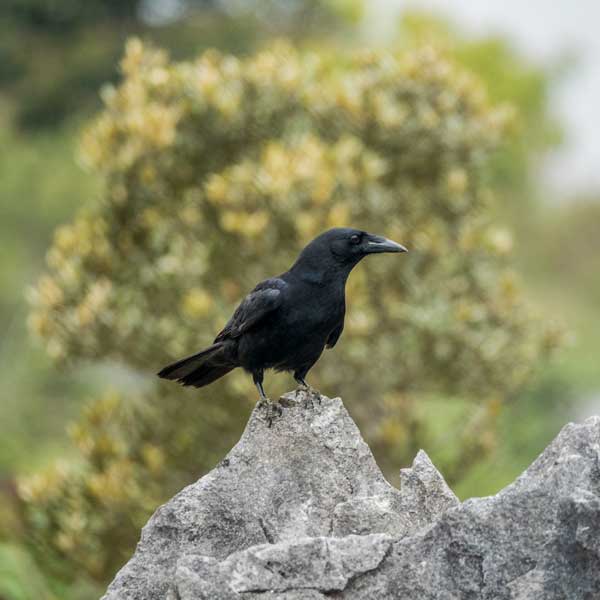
(376, 243)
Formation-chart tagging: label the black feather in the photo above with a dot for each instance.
(185, 366)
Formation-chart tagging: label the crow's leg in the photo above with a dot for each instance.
(272, 409)
(258, 377)
(311, 393)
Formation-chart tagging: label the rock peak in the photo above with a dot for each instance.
(301, 510)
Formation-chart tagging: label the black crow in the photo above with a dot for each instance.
(286, 321)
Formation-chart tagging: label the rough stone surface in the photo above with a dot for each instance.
(301, 511)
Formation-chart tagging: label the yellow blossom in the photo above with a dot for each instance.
(216, 188)
(197, 302)
(457, 180)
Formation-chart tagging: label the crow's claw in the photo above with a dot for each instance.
(272, 410)
(308, 400)
(310, 396)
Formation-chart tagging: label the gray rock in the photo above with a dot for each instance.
(321, 564)
(301, 511)
(423, 498)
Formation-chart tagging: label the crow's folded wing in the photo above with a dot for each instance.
(261, 301)
(334, 336)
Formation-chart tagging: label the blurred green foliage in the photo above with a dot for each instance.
(29, 583)
(561, 260)
(574, 249)
(524, 86)
(216, 172)
(55, 54)
(40, 186)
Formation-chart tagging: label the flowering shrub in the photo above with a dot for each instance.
(216, 173)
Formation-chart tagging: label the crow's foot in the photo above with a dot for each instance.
(271, 410)
(311, 395)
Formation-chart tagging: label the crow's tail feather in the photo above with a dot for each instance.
(199, 369)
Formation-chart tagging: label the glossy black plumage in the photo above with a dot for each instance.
(286, 321)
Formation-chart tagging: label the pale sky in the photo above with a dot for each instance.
(544, 30)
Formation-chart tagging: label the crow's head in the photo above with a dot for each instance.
(345, 247)
(350, 245)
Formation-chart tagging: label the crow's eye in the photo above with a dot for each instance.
(355, 239)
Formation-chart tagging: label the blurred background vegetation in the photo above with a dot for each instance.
(110, 241)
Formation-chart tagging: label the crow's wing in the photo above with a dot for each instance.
(261, 301)
(334, 336)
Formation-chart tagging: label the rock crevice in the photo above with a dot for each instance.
(301, 510)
